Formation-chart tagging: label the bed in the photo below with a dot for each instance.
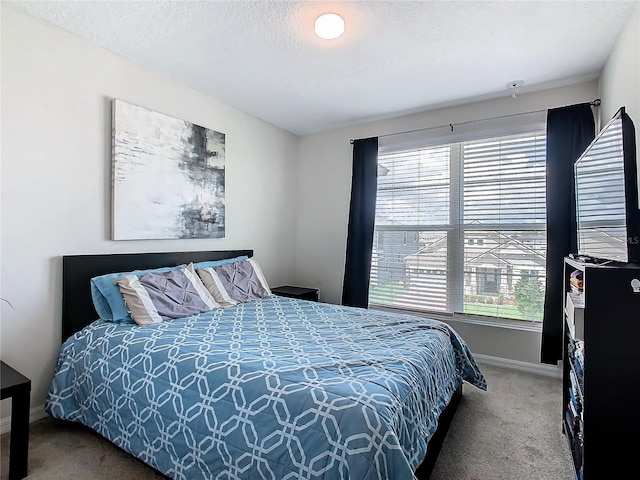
(275, 388)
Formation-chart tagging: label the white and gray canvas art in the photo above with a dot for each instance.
(168, 177)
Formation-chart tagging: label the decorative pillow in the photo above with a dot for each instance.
(243, 281)
(158, 296)
(214, 285)
(107, 298)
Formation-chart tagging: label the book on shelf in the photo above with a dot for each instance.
(576, 381)
(576, 281)
(574, 402)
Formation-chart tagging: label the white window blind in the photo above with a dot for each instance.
(460, 228)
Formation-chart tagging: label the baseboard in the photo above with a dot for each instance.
(536, 368)
(35, 414)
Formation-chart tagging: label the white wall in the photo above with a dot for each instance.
(56, 173)
(324, 183)
(620, 79)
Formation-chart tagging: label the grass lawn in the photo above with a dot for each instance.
(389, 292)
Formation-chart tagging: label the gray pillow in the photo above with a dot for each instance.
(157, 296)
(243, 281)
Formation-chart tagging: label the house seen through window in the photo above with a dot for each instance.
(460, 228)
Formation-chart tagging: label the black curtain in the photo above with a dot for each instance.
(569, 131)
(362, 212)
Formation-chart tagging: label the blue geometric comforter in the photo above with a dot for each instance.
(277, 388)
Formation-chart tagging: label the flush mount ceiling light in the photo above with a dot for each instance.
(329, 26)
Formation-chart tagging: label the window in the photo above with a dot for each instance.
(460, 228)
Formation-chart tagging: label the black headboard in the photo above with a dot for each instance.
(77, 271)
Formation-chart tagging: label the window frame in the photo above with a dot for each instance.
(455, 238)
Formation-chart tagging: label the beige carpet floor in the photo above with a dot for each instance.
(511, 432)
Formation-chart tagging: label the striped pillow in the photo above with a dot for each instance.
(237, 282)
(213, 284)
(157, 296)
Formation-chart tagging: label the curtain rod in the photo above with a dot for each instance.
(593, 103)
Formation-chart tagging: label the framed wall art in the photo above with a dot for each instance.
(168, 177)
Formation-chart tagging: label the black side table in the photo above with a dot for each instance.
(17, 387)
(303, 293)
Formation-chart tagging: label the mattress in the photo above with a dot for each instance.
(277, 388)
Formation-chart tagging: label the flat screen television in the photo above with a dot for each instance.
(607, 201)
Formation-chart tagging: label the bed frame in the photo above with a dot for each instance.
(77, 271)
(78, 310)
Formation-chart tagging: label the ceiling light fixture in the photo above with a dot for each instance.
(329, 26)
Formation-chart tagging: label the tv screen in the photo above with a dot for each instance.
(607, 210)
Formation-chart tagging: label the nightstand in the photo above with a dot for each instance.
(303, 293)
(17, 387)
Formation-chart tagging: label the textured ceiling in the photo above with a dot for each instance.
(396, 57)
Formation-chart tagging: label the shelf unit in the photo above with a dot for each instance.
(601, 371)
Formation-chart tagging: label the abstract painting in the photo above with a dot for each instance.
(168, 177)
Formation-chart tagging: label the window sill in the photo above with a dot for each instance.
(524, 325)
